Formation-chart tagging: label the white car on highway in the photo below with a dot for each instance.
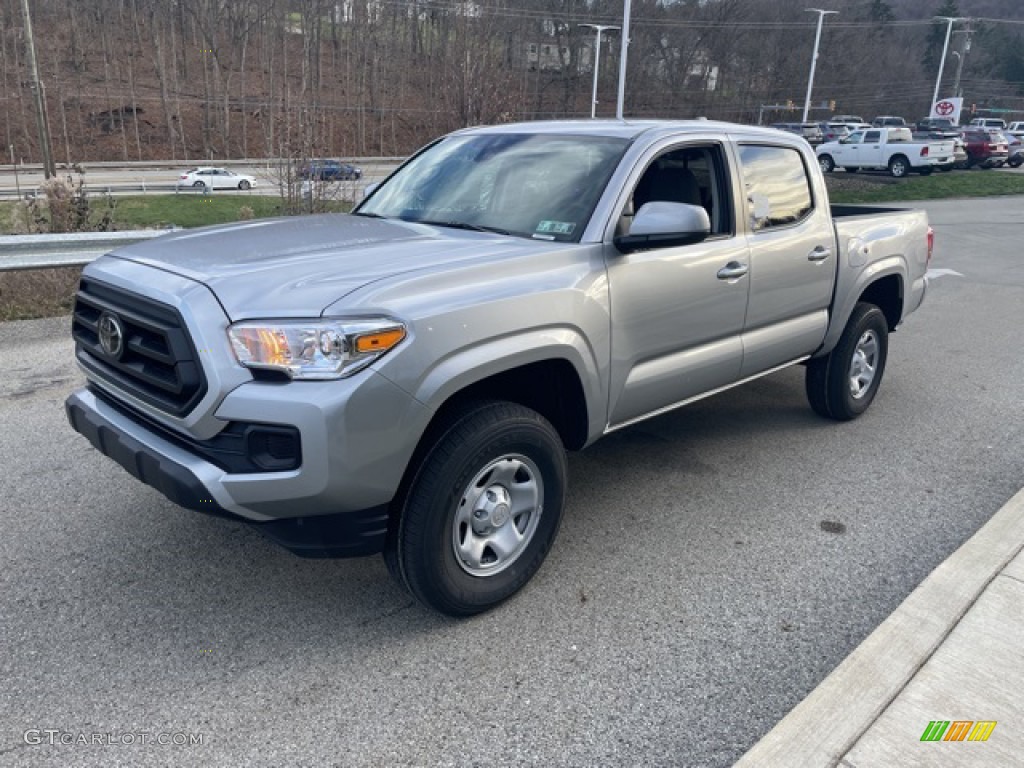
(216, 178)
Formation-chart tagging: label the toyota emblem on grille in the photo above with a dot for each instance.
(111, 335)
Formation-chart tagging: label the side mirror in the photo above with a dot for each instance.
(661, 224)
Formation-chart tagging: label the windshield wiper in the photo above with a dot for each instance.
(462, 225)
(369, 215)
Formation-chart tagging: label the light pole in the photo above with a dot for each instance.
(814, 59)
(942, 59)
(622, 59)
(959, 66)
(597, 61)
(960, 63)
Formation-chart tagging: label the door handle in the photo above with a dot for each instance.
(820, 253)
(732, 271)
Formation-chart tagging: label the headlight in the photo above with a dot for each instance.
(314, 349)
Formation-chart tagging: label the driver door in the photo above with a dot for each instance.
(678, 311)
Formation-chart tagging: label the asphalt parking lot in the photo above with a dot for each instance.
(713, 566)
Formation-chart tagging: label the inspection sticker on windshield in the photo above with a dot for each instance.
(555, 227)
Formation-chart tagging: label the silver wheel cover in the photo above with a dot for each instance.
(497, 515)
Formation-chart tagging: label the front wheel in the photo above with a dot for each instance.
(851, 168)
(842, 384)
(243, 184)
(482, 510)
(899, 167)
(827, 163)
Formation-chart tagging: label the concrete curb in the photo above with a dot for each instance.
(823, 727)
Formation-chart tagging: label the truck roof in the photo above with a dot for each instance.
(625, 129)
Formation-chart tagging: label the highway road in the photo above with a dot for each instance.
(714, 565)
(162, 178)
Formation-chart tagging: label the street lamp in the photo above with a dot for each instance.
(942, 59)
(814, 58)
(597, 61)
(626, 6)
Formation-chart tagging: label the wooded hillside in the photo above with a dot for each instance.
(194, 79)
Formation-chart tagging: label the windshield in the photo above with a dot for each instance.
(533, 185)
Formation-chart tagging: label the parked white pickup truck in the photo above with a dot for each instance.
(892, 149)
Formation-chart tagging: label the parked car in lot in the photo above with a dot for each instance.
(886, 121)
(834, 131)
(846, 119)
(1015, 129)
(809, 131)
(407, 379)
(984, 149)
(1015, 148)
(893, 149)
(216, 178)
(959, 154)
(990, 124)
(330, 170)
(933, 124)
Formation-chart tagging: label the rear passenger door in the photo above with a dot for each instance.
(871, 150)
(792, 264)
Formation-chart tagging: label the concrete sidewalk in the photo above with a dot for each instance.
(953, 651)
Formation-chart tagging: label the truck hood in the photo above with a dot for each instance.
(298, 266)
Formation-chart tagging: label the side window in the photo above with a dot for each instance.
(872, 136)
(694, 174)
(778, 191)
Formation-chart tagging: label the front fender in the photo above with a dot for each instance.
(469, 365)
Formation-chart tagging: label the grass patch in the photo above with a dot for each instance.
(190, 210)
(879, 188)
(31, 293)
(187, 210)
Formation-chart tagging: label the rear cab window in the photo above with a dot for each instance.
(778, 189)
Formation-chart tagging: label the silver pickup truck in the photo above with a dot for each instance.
(406, 379)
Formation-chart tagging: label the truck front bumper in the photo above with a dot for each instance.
(334, 505)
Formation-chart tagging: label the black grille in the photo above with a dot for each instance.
(158, 364)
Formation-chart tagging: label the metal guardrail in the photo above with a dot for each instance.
(252, 162)
(65, 250)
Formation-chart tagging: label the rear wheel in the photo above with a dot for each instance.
(482, 511)
(899, 166)
(926, 171)
(827, 163)
(842, 384)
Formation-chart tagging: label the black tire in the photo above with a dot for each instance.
(1015, 162)
(899, 166)
(835, 384)
(947, 167)
(851, 168)
(827, 163)
(491, 458)
(925, 171)
(198, 184)
(243, 184)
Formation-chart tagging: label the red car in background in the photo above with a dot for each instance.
(984, 149)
